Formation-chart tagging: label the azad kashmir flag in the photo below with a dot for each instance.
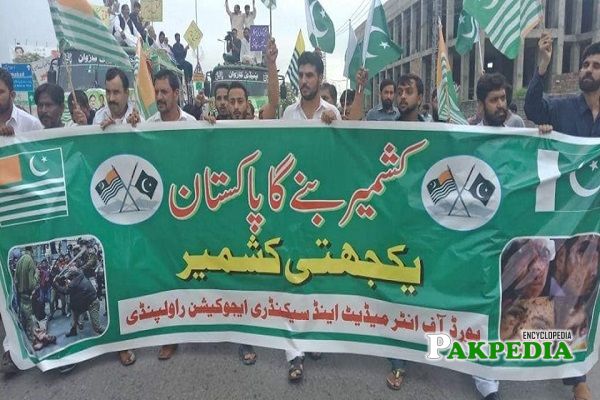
(321, 32)
(378, 48)
(270, 4)
(32, 187)
(467, 33)
(447, 98)
(506, 22)
(78, 27)
(144, 88)
(292, 72)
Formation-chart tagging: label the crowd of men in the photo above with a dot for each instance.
(400, 101)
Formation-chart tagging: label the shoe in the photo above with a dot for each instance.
(492, 396)
(167, 351)
(65, 369)
(72, 332)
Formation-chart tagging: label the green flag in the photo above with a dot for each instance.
(378, 50)
(352, 58)
(467, 33)
(448, 108)
(78, 27)
(506, 22)
(321, 32)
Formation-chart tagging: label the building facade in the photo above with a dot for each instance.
(574, 24)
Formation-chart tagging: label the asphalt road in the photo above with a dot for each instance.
(213, 371)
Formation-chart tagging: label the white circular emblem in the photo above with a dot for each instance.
(461, 193)
(126, 189)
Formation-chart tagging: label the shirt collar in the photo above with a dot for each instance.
(394, 109)
(582, 105)
(14, 113)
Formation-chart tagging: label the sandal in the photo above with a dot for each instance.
(296, 370)
(127, 357)
(395, 378)
(167, 351)
(581, 391)
(247, 354)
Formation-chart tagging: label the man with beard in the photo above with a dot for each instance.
(410, 96)
(385, 111)
(166, 91)
(118, 108)
(577, 115)
(491, 99)
(311, 105)
(13, 119)
(50, 101)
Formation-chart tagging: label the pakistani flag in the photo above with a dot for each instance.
(321, 32)
(271, 4)
(352, 58)
(506, 22)
(32, 187)
(78, 27)
(378, 48)
(448, 109)
(568, 182)
(292, 72)
(467, 33)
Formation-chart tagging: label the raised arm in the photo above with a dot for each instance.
(227, 7)
(270, 109)
(538, 109)
(356, 110)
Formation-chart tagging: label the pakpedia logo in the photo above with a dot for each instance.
(442, 346)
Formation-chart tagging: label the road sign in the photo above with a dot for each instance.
(22, 76)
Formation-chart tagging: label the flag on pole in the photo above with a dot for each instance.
(321, 32)
(292, 72)
(352, 59)
(271, 4)
(144, 88)
(448, 109)
(378, 48)
(506, 22)
(78, 27)
(467, 33)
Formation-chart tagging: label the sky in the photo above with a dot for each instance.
(30, 23)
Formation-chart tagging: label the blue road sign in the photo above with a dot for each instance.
(22, 76)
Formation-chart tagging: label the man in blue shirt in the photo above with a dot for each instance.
(572, 115)
(385, 111)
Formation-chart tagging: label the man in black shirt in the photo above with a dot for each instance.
(179, 53)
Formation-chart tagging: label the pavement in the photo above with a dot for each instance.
(214, 371)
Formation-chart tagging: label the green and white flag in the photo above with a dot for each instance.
(352, 59)
(378, 50)
(32, 187)
(272, 4)
(448, 109)
(467, 33)
(321, 32)
(78, 27)
(506, 22)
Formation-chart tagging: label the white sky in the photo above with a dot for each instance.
(28, 22)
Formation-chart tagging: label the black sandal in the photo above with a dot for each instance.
(296, 371)
(244, 352)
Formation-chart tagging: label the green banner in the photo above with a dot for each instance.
(352, 238)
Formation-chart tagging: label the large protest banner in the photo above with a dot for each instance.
(358, 238)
